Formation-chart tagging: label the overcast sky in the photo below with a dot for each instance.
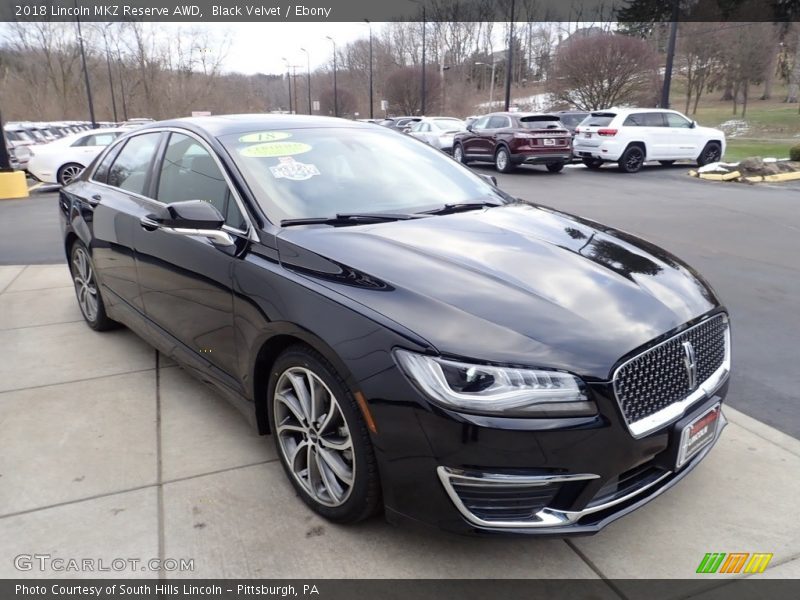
(259, 47)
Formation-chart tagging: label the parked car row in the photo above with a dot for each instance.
(58, 151)
(628, 137)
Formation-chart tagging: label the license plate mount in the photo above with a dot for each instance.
(549, 142)
(698, 434)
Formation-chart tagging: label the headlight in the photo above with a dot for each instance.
(501, 391)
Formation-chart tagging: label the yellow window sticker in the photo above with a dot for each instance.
(274, 149)
(265, 136)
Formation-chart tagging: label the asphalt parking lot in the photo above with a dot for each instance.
(109, 450)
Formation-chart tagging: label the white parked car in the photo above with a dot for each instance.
(438, 131)
(631, 136)
(63, 160)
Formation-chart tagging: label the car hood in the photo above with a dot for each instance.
(517, 284)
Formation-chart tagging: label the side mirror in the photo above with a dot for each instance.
(490, 179)
(693, 125)
(469, 128)
(191, 217)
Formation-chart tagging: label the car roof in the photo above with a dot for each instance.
(220, 125)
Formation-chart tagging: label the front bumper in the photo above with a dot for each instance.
(425, 454)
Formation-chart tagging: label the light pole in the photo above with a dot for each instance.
(491, 83)
(424, 27)
(370, 68)
(85, 70)
(308, 77)
(509, 60)
(110, 78)
(289, 82)
(335, 89)
(442, 68)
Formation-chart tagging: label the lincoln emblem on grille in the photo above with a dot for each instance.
(690, 362)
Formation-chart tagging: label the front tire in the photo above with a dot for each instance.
(631, 160)
(712, 152)
(502, 160)
(458, 154)
(68, 173)
(321, 437)
(87, 291)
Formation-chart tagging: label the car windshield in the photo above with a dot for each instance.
(449, 124)
(541, 122)
(305, 173)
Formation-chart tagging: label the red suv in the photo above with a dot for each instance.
(511, 139)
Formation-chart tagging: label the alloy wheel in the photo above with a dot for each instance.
(85, 287)
(634, 159)
(70, 173)
(502, 160)
(313, 436)
(711, 154)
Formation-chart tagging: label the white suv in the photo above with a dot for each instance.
(631, 136)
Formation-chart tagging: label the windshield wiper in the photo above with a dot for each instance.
(447, 209)
(350, 219)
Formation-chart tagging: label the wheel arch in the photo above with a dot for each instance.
(640, 144)
(270, 348)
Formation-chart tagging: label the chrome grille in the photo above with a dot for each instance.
(659, 378)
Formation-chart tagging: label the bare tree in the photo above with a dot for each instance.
(599, 71)
(700, 57)
(746, 59)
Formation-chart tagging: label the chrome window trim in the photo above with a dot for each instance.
(673, 412)
(550, 517)
(249, 233)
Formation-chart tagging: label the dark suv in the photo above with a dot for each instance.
(511, 139)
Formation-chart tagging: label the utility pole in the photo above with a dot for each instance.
(110, 78)
(85, 70)
(308, 78)
(5, 159)
(288, 81)
(510, 56)
(371, 115)
(335, 89)
(673, 34)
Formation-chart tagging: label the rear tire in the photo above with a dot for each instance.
(68, 173)
(712, 152)
(555, 167)
(631, 160)
(592, 163)
(502, 160)
(322, 440)
(87, 291)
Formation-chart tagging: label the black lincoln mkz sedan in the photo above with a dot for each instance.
(414, 339)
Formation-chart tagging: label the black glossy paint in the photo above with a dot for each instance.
(515, 285)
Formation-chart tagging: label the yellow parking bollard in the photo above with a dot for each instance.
(13, 185)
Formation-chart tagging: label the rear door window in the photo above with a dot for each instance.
(498, 122)
(131, 169)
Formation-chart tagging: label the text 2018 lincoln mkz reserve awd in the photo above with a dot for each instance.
(414, 339)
